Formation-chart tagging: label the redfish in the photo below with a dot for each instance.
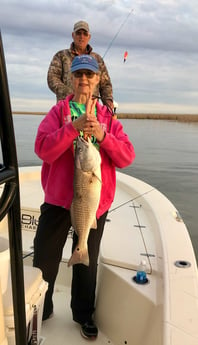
(87, 189)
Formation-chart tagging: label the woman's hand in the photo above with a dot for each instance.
(90, 106)
(88, 122)
(93, 127)
(79, 123)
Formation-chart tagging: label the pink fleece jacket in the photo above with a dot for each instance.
(54, 146)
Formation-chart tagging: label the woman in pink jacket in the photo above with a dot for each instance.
(78, 113)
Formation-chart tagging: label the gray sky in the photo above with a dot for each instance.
(161, 37)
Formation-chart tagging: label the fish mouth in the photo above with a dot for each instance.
(82, 140)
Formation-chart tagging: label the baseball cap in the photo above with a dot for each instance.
(81, 25)
(84, 62)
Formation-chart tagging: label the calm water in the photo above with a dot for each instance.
(166, 157)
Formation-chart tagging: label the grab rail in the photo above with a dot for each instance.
(10, 203)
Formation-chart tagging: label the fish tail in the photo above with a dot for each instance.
(79, 256)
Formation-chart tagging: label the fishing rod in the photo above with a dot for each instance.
(121, 26)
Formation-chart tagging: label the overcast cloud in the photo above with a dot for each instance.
(161, 37)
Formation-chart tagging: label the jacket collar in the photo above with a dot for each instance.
(73, 49)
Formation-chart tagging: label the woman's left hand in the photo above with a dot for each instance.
(93, 127)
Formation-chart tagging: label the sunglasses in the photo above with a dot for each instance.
(79, 33)
(79, 74)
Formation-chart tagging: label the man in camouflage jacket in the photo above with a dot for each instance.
(59, 76)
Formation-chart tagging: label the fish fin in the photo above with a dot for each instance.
(97, 174)
(79, 256)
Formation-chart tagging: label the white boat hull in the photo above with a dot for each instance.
(142, 224)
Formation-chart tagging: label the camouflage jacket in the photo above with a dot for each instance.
(59, 75)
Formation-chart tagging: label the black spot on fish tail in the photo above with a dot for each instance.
(79, 256)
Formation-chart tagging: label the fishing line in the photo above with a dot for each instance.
(131, 200)
(139, 224)
(121, 26)
(143, 240)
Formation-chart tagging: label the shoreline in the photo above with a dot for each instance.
(146, 116)
(172, 117)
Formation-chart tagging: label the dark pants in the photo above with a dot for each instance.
(51, 235)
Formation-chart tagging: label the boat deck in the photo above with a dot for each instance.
(141, 224)
(61, 329)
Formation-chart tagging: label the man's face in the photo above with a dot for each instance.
(81, 39)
